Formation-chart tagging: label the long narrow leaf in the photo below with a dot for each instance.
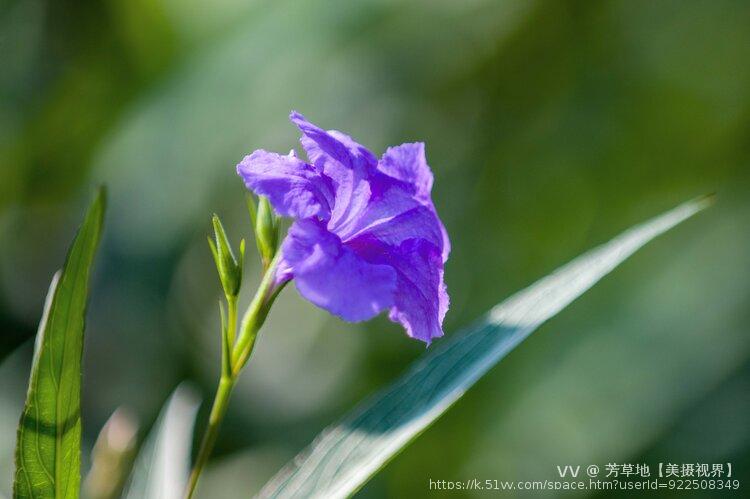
(347, 454)
(48, 450)
(162, 466)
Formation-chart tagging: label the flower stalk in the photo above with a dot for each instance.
(365, 238)
(254, 317)
(236, 348)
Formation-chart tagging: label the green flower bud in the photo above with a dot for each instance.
(252, 209)
(266, 231)
(230, 270)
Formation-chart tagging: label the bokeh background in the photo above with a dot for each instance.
(551, 126)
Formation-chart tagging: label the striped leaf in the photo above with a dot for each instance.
(343, 457)
(48, 449)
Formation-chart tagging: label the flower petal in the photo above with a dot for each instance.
(348, 164)
(292, 186)
(333, 277)
(369, 193)
(408, 164)
(393, 216)
(419, 222)
(421, 300)
(336, 145)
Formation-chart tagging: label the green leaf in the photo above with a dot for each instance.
(48, 450)
(163, 464)
(344, 456)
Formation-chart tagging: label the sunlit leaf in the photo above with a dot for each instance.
(344, 456)
(48, 450)
(162, 466)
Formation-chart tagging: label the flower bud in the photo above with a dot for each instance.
(266, 231)
(230, 270)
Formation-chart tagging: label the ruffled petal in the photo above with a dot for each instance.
(348, 164)
(419, 222)
(292, 186)
(334, 277)
(399, 205)
(384, 200)
(408, 164)
(421, 300)
(334, 144)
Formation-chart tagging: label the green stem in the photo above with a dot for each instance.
(218, 410)
(254, 318)
(234, 357)
(227, 337)
(232, 319)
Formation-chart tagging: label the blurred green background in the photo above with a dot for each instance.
(551, 126)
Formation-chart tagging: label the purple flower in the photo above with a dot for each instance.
(366, 235)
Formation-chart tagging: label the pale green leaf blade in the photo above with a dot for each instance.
(48, 450)
(163, 464)
(344, 456)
